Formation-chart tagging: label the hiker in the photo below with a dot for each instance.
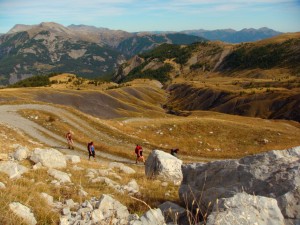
(174, 152)
(91, 149)
(70, 140)
(139, 154)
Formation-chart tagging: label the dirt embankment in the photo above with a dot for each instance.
(267, 105)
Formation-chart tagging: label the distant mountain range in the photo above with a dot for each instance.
(89, 51)
(233, 36)
(84, 50)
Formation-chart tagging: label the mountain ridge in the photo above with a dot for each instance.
(233, 36)
(227, 35)
(84, 50)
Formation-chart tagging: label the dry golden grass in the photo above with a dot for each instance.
(279, 38)
(10, 136)
(27, 189)
(214, 135)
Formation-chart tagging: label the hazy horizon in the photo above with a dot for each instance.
(154, 15)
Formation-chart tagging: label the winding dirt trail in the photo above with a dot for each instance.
(9, 115)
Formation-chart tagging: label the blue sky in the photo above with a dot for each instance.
(155, 15)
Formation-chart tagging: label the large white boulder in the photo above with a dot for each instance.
(12, 169)
(274, 174)
(24, 212)
(48, 157)
(243, 208)
(164, 166)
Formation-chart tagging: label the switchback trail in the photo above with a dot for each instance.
(9, 115)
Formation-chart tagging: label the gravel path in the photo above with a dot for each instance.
(10, 116)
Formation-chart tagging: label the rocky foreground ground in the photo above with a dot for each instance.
(258, 189)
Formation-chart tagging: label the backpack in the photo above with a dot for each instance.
(137, 149)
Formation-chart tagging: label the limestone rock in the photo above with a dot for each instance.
(163, 166)
(70, 203)
(243, 208)
(112, 208)
(122, 167)
(73, 158)
(50, 158)
(272, 174)
(2, 185)
(21, 153)
(48, 198)
(12, 169)
(132, 187)
(82, 193)
(172, 212)
(64, 221)
(37, 166)
(24, 212)
(59, 175)
(65, 211)
(152, 216)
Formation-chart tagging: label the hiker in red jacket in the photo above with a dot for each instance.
(139, 154)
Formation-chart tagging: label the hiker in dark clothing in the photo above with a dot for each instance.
(91, 149)
(174, 152)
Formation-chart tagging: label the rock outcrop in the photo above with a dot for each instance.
(59, 175)
(173, 213)
(2, 185)
(122, 167)
(274, 174)
(23, 212)
(73, 158)
(152, 216)
(50, 158)
(107, 210)
(12, 169)
(242, 208)
(164, 166)
(21, 153)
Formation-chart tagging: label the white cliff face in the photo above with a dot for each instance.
(274, 174)
(243, 207)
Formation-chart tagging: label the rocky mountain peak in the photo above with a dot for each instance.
(54, 27)
(20, 28)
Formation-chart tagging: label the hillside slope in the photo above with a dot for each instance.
(279, 104)
(260, 79)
